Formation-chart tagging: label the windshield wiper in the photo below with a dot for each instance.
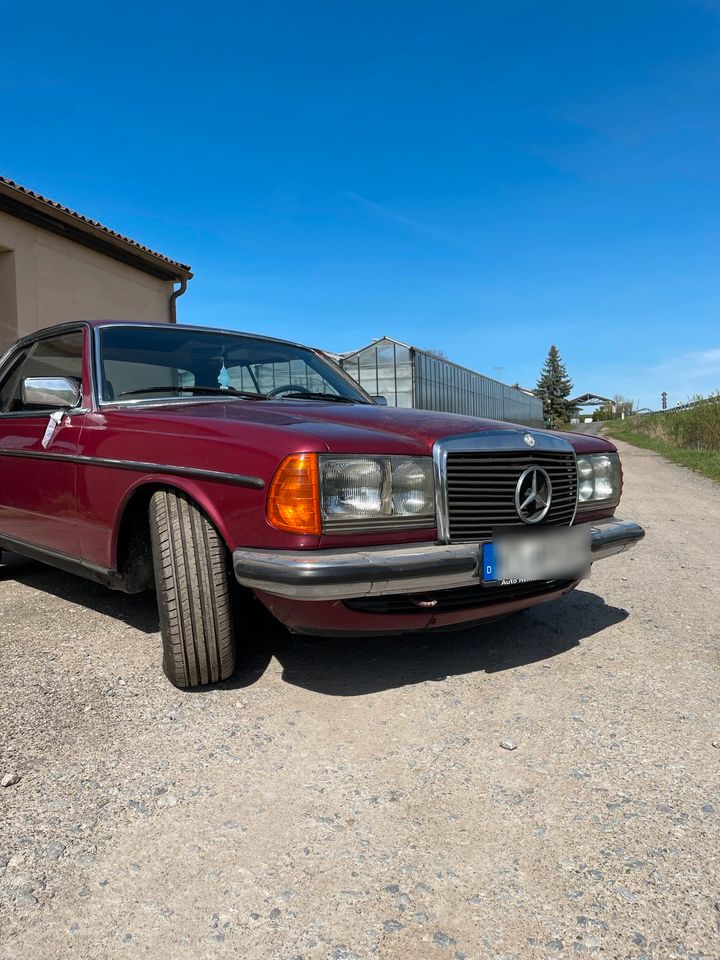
(229, 391)
(320, 396)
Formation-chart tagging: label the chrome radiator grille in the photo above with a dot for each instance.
(481, 489)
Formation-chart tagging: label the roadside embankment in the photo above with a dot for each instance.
(690, 436)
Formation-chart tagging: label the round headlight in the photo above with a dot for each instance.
(585, 490)
(585, 469)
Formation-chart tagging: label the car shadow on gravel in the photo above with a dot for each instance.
(138, 611)
(351, 667)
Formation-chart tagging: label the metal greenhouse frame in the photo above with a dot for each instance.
(413, 378)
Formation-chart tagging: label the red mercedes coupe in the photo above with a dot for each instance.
(200, 462)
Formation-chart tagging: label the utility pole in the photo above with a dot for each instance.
(498, 371)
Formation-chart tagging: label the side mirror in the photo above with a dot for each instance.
(51, 392)
(381, 401)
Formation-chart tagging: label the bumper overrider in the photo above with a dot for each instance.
(350, 572)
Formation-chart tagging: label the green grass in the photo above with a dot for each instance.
(689, 437)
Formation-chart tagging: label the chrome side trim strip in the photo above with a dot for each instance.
(43, 414)
(62, 561)
(138, 466)
(488, 441)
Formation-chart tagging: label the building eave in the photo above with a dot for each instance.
(24, 204)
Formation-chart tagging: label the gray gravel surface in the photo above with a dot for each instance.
(352, 799)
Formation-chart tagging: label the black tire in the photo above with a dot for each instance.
(193, 592)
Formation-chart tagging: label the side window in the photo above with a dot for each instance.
(51, 357)
(9, 378)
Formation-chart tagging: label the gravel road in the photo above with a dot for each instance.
(343, 800)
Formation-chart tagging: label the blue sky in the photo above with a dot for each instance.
(486, 178)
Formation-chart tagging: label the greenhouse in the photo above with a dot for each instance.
(408, 377)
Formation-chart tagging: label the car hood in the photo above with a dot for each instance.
(346, 428)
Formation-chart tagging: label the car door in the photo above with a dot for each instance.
(37, 465)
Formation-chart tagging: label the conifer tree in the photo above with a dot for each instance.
(553, 387)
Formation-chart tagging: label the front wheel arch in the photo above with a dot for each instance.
(131, 540)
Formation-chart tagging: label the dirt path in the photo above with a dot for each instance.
(349, 799)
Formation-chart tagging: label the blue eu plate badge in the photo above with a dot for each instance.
(488, 563)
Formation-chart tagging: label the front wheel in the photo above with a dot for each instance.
(192, 579)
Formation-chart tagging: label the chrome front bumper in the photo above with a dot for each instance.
(351, 572)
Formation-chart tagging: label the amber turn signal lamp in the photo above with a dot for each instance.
(293, 500)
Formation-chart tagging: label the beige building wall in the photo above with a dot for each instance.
(46, 279)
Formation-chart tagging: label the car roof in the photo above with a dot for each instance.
(60, 327)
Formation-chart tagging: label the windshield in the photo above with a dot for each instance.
(143, 363)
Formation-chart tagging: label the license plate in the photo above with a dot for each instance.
(521, 556)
